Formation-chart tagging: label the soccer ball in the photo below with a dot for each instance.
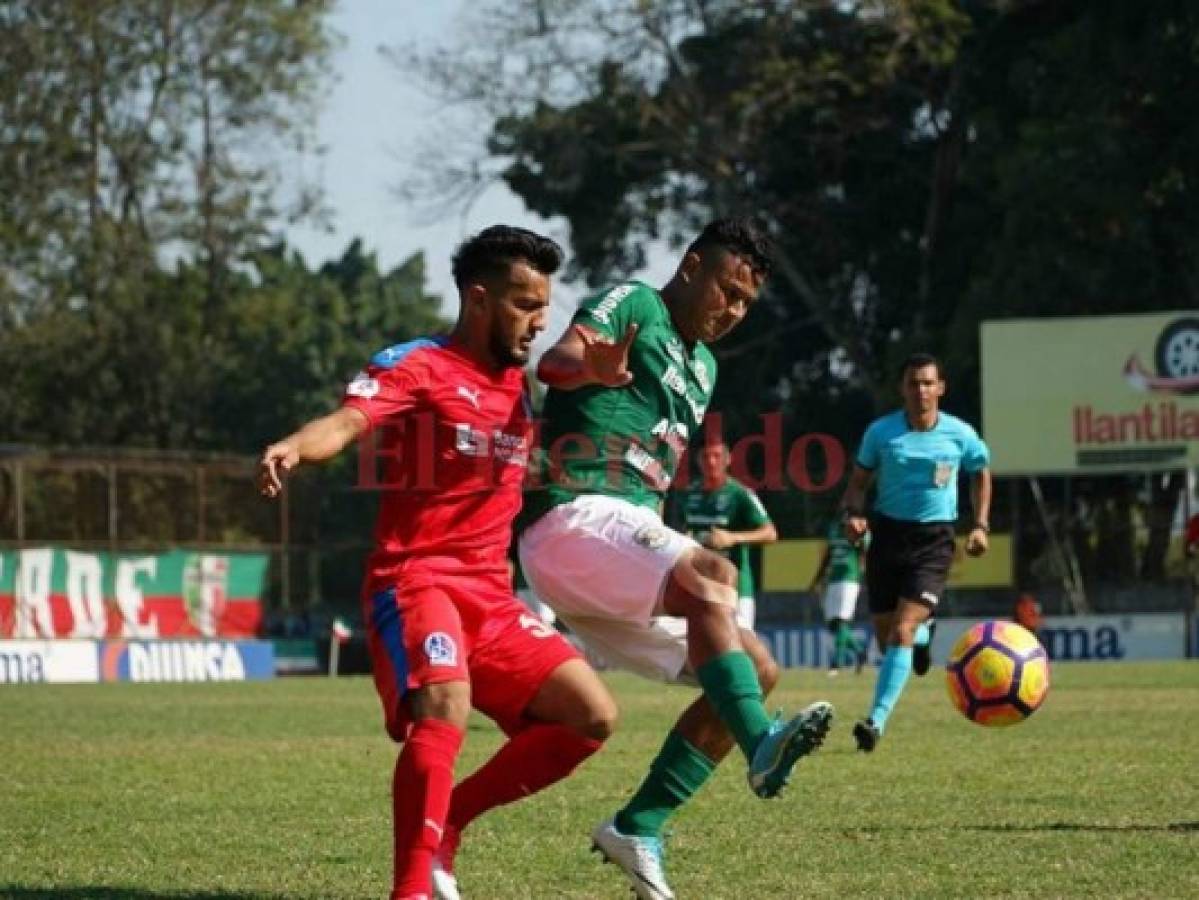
(998, 673)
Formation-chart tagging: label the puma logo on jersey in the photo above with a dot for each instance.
(472, 396)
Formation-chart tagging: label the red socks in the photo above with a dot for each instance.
(420, 798)
(533, 759)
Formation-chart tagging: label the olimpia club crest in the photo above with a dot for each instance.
(205, 590)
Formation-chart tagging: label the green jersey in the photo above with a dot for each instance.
(844, 559)
(733, 507)
(625, 442)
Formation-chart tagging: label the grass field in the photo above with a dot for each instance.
(280, 789)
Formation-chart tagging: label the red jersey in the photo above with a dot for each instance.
(449, 459)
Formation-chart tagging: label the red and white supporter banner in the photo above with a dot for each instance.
(49, 592)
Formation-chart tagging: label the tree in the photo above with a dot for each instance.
(924, 165)
(135, 129)
(823, 118)
(139, 183)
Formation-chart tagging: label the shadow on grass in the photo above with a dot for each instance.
(1086, 826)
(1044, 826)
(103, 892)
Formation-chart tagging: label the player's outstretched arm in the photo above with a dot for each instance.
(582, 357)
(319, 440)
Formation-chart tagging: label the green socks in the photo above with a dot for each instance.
(680, 769)
(674, 776)
(845, 645)
(731, 685)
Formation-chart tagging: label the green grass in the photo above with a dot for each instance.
(281, 789)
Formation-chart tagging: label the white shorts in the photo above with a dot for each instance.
(840, 599)
(601, 564)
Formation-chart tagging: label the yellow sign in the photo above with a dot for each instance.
(1092, 394)
(790, 565)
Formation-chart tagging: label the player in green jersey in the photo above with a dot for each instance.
(839, 579)
(727, 517)
(629, 384)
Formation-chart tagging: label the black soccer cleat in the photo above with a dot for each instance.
(867, 735)
(922, 654)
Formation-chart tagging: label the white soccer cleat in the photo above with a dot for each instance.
(639, 857)
(445, 885)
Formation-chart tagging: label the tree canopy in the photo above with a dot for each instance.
(147, 297)
(923, 165)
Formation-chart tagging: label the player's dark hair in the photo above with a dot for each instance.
(490, 253)
(919, 361)
(744, 237)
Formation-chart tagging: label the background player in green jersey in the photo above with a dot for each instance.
(726, 516)
(839, 580)
(629, 384)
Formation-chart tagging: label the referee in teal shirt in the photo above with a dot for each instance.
(913, 456)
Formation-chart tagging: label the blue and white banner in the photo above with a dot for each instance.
(1066, 638)
(806, 645)
(69, 661)
(186, 660)
(48, 662)
(1098, 638)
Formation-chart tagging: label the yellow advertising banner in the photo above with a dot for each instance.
(790, 565)
(1092, 394)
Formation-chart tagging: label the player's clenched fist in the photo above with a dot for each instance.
(277, 460)
(976, 543)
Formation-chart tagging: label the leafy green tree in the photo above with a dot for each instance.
(135, 129)
(924, 165)
(822, 118)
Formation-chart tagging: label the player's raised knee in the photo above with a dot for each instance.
(701, 581)
(715, 567)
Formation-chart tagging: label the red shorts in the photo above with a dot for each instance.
(460, 629)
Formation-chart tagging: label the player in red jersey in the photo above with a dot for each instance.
(444, 629)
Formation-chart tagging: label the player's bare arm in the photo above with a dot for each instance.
(722, 538)
(980, 496)
(318, 441)
(584, 357)
(854, 504)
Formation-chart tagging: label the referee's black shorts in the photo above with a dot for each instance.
(907, 560)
